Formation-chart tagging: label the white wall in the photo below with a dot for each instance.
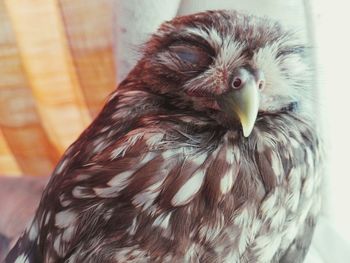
(332, 42)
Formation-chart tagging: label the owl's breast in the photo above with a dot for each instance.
(260, 192)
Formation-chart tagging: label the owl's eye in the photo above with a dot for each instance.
(301, 50)
(192, 55)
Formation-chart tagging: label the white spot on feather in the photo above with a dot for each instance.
(106, 192)
(47, 218)
(108, 214)
(170, 153)
(254, 228)
(293, 201)
(227, 181)
(147, 158)
(61, 166)
(144, 199)
(58, 247)
(68, 233)
(305, 208)
(112, 96)
(243, 240)
(187, 192)
(78, 192)
(64, 201)
(290, 233)
(132, 229)
(22, 259)
(154, 139)
(199, 160)
(230, 157)
(118, 152)
(191, 254)
(162, 220)
(120, 181)
(65, 218)
(309, 160)
(33, 232)
(120, 115)
(278, 219)
(99, 147)
(266, 247)
(82, 177)
(294, 179)
(104, 129)
(99, 144)
(232, 257)
(210, 232)
(276, 165)
(244, 217)
(294, 143)
(269, 203)
(308, 186)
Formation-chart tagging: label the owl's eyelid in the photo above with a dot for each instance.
(199, 43)
(191, 55)
(188, 48)
(299, 49)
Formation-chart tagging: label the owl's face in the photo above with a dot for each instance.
(231, 66)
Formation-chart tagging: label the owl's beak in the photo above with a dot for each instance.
(242, 104)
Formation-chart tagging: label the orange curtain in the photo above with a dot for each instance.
(56, 69)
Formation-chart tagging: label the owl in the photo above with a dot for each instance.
(207, 152)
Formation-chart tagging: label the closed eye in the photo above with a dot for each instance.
(191, 55)
(291, 50)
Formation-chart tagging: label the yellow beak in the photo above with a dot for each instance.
(242, 104)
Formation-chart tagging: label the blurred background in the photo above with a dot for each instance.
(59, 60)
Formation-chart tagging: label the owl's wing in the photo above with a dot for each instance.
(122, 198)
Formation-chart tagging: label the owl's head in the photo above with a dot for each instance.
(231, 66)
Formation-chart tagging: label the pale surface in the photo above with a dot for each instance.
(332, 43)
